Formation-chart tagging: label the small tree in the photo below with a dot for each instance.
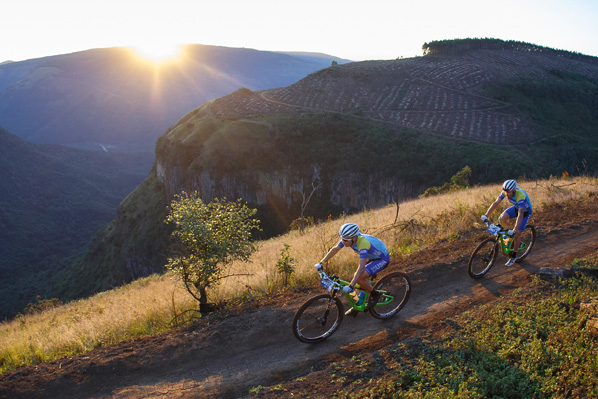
(286, 265)
(208, 238)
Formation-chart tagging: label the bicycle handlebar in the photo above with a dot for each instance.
(494, 229)
(330, 282)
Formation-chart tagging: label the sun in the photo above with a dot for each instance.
(158, 51)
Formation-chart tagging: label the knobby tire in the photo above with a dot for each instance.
(529, 237)
(318, 318)
(482, 258)
(397, 285)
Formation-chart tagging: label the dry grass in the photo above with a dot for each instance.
(144, 307)
(420, 222)
(150, 305)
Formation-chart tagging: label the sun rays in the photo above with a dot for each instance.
(158, 52)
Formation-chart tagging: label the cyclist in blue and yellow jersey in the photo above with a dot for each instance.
(373, 257)
(521, 209)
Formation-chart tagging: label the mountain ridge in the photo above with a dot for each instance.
(396, 97)
(113, 97)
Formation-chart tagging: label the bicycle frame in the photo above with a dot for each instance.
(321, 315)
(335, 284)
(499, 233)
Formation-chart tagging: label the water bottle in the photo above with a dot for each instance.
(361, 298)
(507, 240)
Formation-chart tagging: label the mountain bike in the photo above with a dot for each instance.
(483, 257)
(319, 317)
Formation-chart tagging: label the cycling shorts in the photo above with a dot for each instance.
(376, 266)
(512, 212)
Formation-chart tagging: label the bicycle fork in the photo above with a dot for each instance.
(322, 320)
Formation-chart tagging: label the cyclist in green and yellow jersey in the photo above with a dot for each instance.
(521, 209)
(373, 257)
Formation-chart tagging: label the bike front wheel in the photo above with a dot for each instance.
(318, 318)
(528, 238)
(395, 288)
(482, 258)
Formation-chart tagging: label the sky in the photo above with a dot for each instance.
(352, 29)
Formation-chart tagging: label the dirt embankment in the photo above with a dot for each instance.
(226, 355)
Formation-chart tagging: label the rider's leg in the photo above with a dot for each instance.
(517, 239)
(371, 269)
(364, 282)
(516, 242)
(515, 245)
(504, 218)
(507, 215)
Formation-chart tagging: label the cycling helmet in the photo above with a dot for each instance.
(509, 185)
(348, 230)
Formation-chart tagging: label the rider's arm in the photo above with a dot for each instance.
(494, 205)
(330, 254)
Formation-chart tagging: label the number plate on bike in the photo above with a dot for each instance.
(493, 229)
(327, 283)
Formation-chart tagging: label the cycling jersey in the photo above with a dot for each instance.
(520, 201)
(369, 247)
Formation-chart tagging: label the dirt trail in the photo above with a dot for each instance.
(225, 357)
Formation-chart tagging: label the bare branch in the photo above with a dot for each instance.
(397, 214)
(306, 198)
(563, 185)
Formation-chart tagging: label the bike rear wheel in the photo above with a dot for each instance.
(482, 258)
(528, 238)
(318, 318)
(395, 288)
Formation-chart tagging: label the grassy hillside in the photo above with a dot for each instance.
(123, 313)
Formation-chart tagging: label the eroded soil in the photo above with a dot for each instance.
(229, 352)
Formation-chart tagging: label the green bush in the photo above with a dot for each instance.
(459, 181)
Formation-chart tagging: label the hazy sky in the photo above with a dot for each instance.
(352, 29)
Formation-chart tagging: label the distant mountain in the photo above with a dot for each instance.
(53, 200)
(319, 58)
(113, 98)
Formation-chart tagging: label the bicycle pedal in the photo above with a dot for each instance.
(374, 299)
(351, 312)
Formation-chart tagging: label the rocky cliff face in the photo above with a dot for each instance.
(347, 191)
(343, 190)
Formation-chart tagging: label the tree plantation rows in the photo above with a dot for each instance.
(449, 96)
